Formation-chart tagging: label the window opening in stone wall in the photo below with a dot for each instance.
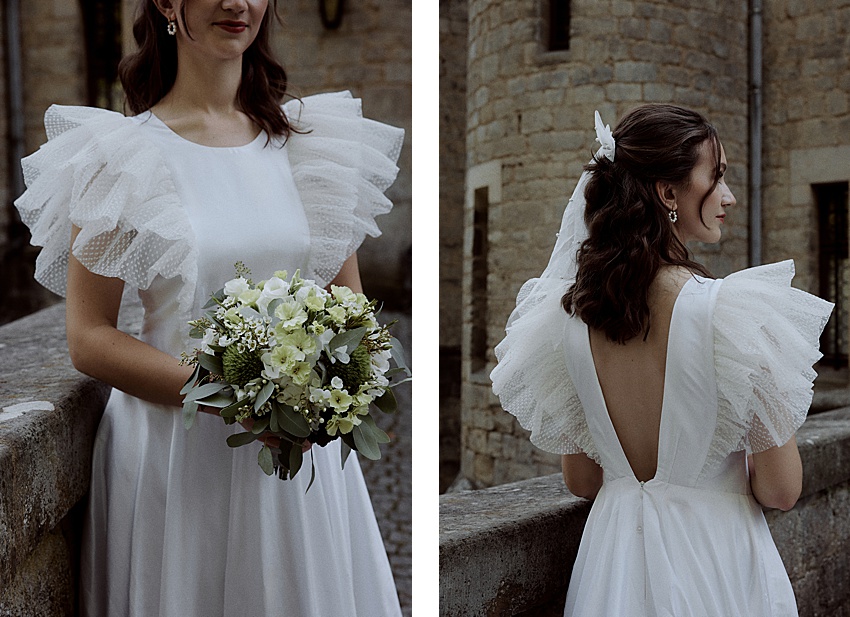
(478, 339)
(831, 202)
(559, 25)
(102, 24)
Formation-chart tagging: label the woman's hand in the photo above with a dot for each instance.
(269, 438)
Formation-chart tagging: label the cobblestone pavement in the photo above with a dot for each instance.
(389, 479)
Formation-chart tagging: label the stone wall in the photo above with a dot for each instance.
(807, 123)
(509, 550)
(369, 54)
(530, 130)
(53, 72)
(453, 53)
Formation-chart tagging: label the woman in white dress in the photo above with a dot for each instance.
(209, 170)
(661, 379)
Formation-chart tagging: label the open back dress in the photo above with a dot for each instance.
(179, 523)
(692, 541)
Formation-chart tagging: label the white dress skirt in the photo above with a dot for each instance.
(692, 541)
(179, 523)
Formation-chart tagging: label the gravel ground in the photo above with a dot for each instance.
(389, 479)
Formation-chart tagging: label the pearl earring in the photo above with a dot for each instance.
(172, 27)
(674, 216)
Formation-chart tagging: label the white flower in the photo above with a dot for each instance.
(340, 354)
(381, 360)
(291, 314)
(336, 383)
(273, 288)
(209, 339)
(235, 287)
(343, 294)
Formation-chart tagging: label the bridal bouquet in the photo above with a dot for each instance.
(301, 363)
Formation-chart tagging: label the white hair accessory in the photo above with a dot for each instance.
(604, 137)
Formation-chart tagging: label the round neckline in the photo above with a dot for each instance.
(179, 137)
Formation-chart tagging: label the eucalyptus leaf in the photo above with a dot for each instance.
(394, 371)
(296, 457)
(264, 395)
(273, 305)
(346, 450)
(232, 410)
(349, 339)
(190, 383)
(274, 420)
(197, 332)
(240, 439)
(387, 402)
(380, 436)
(260, 425)
(367, 445)
(291, 421)
(205, 390)
(348, 440)
(312, 471)
(215, 299)
(249, 313)
(397, 353)
(265, 460)
(211, 363)
(219, 399)
(190, 410)
(220, 325)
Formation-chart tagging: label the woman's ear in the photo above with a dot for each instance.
(166, 7)
(666, 193)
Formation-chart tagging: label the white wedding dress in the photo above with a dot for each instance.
(692, 541)
(179, 523)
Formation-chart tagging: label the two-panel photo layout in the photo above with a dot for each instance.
(637, 323)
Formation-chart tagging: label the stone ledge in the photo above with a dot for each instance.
(45, 456)
(509, 549)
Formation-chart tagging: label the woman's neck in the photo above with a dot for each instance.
(204, 86)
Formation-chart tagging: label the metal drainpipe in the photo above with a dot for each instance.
(755, 124)
(15, 114)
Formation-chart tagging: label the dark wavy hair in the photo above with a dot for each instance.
(149, 73)
(630, 233)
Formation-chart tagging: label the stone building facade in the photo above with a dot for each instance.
(529, 130)
(369, 54)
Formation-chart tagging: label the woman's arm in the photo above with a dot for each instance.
(776, 476)
(349, 275)
(100, 350)
(582, 475)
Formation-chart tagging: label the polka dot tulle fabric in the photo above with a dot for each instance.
(99, 172)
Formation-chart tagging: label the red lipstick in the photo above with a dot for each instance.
(233, 27)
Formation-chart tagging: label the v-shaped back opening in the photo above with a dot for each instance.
(597, 384)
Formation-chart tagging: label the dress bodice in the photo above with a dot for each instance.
(689, 406)
(241, 204)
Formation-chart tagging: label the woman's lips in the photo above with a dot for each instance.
(234, 27)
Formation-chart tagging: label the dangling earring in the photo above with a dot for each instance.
(674, 216)
(172, 27)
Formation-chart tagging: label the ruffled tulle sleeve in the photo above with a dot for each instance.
(766, 336)
(531, 378)
(341, 163)
(99, 173)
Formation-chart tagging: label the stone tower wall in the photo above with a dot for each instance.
(807, 124)
(530, 130)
